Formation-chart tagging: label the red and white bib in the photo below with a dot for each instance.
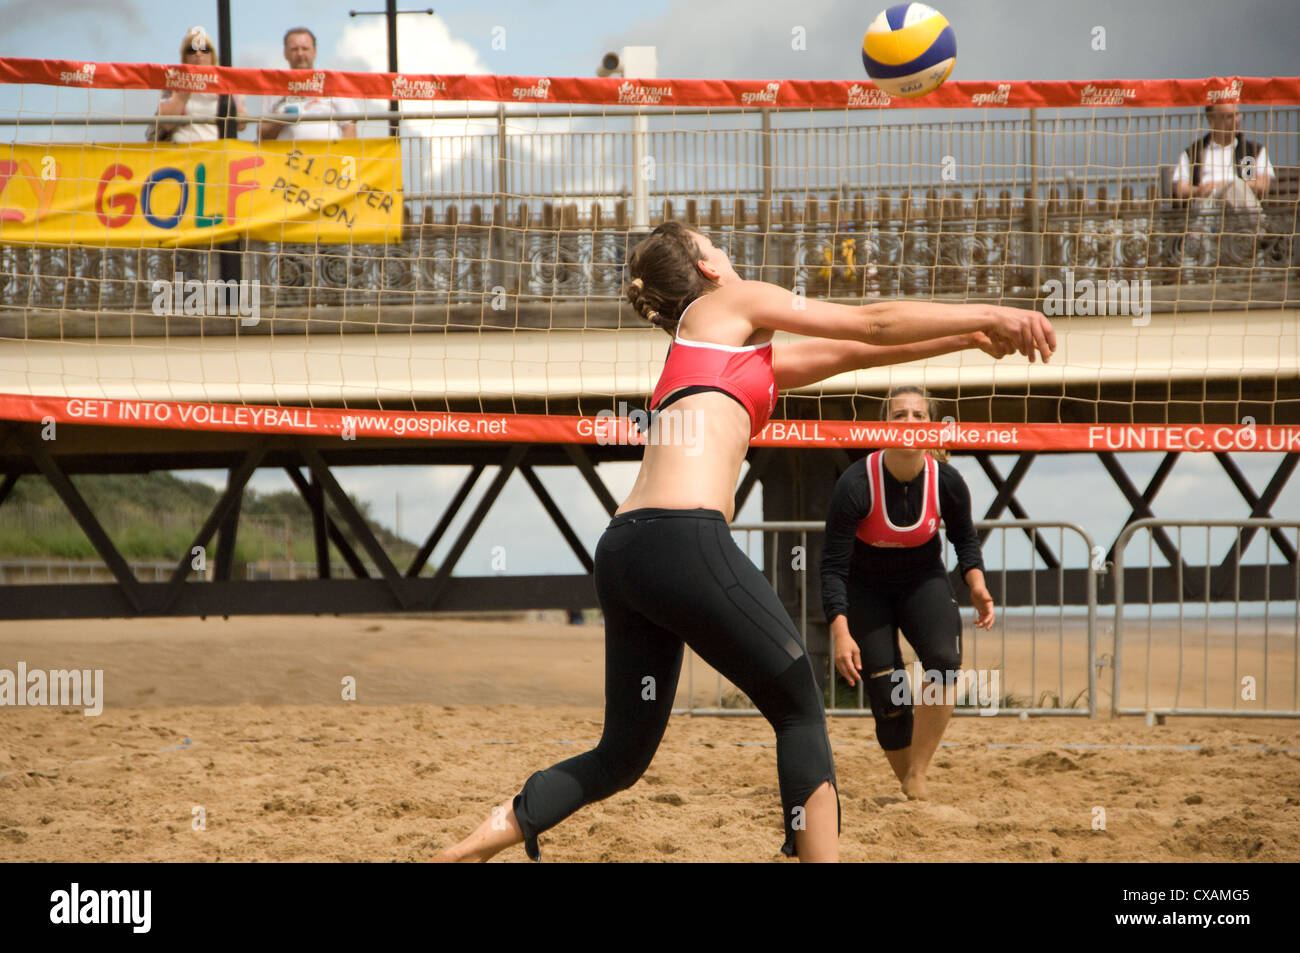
(878, 530)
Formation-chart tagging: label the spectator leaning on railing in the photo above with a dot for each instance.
(300, 53)
(1224, 168)
(197, 49)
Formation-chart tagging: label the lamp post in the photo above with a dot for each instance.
(391, 12)
(230, 257)
(636, 62)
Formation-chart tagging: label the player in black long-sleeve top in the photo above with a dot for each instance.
(882, 570)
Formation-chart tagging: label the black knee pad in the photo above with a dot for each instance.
(793, 698)
(619, 770)
(941, 651)
(891, 706)
(942, 669)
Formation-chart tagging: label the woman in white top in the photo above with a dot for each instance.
(197, 49)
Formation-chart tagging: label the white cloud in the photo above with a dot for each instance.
(996, 39)
(424, 45)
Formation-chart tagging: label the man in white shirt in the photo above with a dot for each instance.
(1223, 167)
(300, 53)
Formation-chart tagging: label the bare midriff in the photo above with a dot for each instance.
(697, 465)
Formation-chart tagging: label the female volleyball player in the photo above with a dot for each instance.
(882, 570)
(667, 571)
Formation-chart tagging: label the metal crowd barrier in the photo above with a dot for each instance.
(1259, 646)
(21, 572)
(1028, 633)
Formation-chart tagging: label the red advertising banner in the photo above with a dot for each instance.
(614, 91)
(606, 429)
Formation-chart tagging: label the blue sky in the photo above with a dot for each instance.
(997, 39)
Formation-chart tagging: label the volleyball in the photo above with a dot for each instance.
(909, 49)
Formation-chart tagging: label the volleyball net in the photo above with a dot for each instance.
(463, 278)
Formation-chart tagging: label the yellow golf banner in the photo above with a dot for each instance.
(345, 191)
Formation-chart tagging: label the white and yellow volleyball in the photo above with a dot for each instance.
(909, 49)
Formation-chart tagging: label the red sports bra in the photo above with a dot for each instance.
(743, 373)
(878, 530)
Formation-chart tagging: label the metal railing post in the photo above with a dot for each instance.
(806, 527)
(1117, 708)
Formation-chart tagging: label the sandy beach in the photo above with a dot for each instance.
(241, 725)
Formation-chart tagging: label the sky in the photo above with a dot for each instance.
(996, 40)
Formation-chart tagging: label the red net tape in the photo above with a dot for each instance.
(758, 94)
(610, 430)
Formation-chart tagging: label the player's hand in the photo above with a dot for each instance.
(982, 599)
(1027, 332)
(988, 346)
(848, 659)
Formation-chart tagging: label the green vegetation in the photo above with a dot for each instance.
(1050, 699)
(735, 698)
(156, 516)
(838, 694)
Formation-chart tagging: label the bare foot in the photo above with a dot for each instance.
(914, 787)
(499, 831)
(458, 855)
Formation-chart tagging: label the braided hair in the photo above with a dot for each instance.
(665, 278)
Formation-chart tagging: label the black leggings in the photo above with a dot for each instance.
(668, 578)
(921, 603)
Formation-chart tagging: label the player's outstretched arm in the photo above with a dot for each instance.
(799, 363)
(892, 322)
